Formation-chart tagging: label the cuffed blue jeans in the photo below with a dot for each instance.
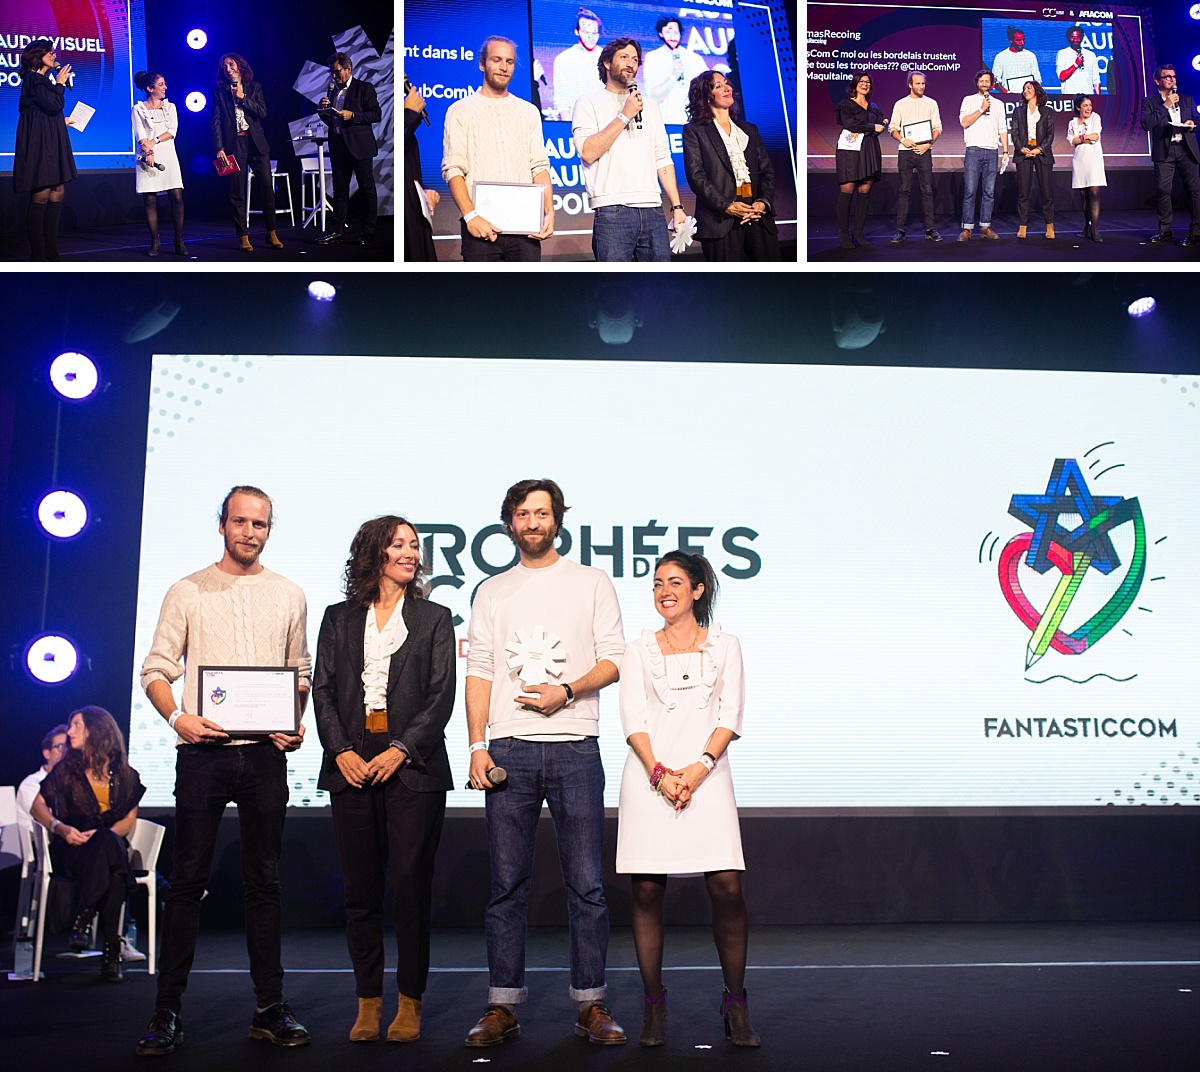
(979, 164)
(568, 776)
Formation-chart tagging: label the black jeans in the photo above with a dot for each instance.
(247, 154)
(1164, 178)
(1026, 166)
(346, 167)
(508, 247)
(207, 777)
(908, 162)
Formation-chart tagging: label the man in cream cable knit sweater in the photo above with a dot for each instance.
(233, 613)
(545, 638)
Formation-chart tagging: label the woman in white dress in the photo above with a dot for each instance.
(155, 124)
(1087, 169)
(681, 706)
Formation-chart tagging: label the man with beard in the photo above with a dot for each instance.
(545, 638)
(1014, 66)
(493, 136)
(235, 612)
(669, 70)
(621, 139)
(1078, 71)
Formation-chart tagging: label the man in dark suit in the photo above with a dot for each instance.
(730, 173)
(1170, 117)
(352, 145)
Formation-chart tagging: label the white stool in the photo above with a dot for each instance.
(276, 175)
(311, 199)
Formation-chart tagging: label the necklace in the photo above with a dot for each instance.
(681, 651)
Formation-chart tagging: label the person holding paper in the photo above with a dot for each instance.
(916, 124)
(1170, 118)
(383, 692)
(155, 124)
(88, 804)
(238, 109)
(351, 108)
(985, 132)
(681, 707)
(859, 158)
(730, 172)
(493, 136)
(545, 638)
(233, 613)
(42, 159)
(1033, 140)
(1015, 64)
(1087, 167)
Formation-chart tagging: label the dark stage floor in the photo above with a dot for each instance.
(1010, 997)
(207, 243)
(1125, 237)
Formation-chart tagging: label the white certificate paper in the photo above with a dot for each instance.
(848, 139)
(513, 207)
(919, 132)
(246, 700)
(81, 115)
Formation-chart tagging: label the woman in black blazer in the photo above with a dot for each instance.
(730, 173)
(238, 110)
(383, 691)
(1033, 140)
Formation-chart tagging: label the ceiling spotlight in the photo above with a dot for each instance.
(197, 39)
(63, 514)
(73, 375)
(51, 659)
(195, 102)
(1194, 11)
(321, 290)
(1142, 307)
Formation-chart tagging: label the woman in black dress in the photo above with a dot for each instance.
(859, 158)
(43, 162)
(89, 802)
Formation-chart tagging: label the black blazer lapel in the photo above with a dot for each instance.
(408, 611)
(714, 137)
(356, 626)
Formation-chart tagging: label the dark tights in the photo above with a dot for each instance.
(45, 208)
(729, 927)
(1090, 196)
(151, 203)
(845, 193)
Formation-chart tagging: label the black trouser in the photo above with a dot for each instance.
(1026, 166)
(507, 247)
(1164, 178)
(389, 830)
(247, 154)
(742, 242)
(346, 167)
(908, 162)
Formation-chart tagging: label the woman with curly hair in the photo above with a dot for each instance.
(383, 691)
(1033, 141)
(88, 802)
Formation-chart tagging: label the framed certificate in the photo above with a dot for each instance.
(848, 139)
(247, 701)
(1015, 85)
(513, 207)
(918, 132)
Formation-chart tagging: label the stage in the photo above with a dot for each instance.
(1097, 996)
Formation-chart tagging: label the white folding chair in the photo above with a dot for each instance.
(146, 840)
(43, 872)
(276, 175)
(310, 189)
(28, 907)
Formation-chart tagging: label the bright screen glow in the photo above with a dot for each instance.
(889, 542)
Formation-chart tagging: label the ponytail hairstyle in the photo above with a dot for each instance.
(699, 571)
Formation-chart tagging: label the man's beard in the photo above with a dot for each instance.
(534, 544)
(244, 556)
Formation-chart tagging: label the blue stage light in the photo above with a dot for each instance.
(197, 38)
(63, 514)
(1196, 63)
(74, 375)
(1194, 11)
(195, 102)
(51, 658)
(1142, 307)
(321, 290)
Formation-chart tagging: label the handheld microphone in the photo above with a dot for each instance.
(637, 119)
(424, 113)
(497, 776)
(70, 77)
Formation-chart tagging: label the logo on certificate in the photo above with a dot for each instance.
(217, 696)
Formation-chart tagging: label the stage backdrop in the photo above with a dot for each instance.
(889, 543)
(951, 41)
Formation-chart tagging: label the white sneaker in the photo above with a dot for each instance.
(129, 953)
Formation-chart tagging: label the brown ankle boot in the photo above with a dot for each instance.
(273, 240)
(1049, 230)
(366, 1027)
(244, 244)
(1022, 231)
(407, 1025)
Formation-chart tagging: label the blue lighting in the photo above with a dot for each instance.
(62, 514)
(74, 375)
(1194, 11)
(321, 290)
(1142, 307)
(197, 39)
(51, 658)
(195, 102)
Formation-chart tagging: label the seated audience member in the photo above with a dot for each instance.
(54, 747)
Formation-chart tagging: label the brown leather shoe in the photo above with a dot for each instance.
(987, 232)
(965, 236)
(1049, 230)
(493, 1027)
(407, 1025)
(366, 1027)
(597, 1024)
(244, 244)
(273, 240)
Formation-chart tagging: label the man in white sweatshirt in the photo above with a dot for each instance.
(545, 638)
